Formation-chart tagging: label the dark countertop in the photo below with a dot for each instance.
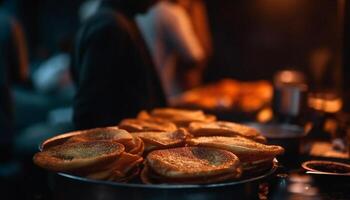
(291, 182)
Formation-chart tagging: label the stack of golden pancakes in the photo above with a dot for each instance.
(177, 147)
(180, 117)
(102, 153)
(223, 128)
(190, 165)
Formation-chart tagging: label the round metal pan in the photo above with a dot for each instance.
(67, 187)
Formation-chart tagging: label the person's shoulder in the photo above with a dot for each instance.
(168, 8)
(169, 11)
(101, 20)
(105, 21)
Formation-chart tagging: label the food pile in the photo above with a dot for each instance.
(228, 94)
(164, 145)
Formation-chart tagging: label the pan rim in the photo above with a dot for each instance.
(172, 186)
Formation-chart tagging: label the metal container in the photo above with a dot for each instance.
(68, 187)
(289, 95)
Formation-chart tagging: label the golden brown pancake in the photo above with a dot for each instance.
(163, 138)
(137, 148)
(148, 176)
(247, 150)
(180, 117)
(75, 156)
(58, 140)
(108, 133)
(256, 167)
(104, 134)
(140, 125)
(160, 140)
(120, 167)
(125, 162)
(192, 162)
(223, 128)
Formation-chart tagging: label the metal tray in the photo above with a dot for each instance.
(65, 186)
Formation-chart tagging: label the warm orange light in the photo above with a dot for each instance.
(287, 77)
(264, 115)
(325, 105)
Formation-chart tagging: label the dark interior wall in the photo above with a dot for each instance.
(346, 56)
(254, 39)
(47, 23)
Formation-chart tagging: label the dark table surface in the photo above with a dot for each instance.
(291, 182)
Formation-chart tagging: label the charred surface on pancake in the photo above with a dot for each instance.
(74, 156)
(140, 125)
(192, 162)
(245, 149)
(223, 128)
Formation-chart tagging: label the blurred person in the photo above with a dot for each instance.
(13, 68)
(177, 35)
(114, 72)
(88, 8)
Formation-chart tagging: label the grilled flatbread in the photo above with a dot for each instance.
(122, 165)
(180, 117)
(78, 156)
(104, 134)
(223, 128)
(140, 125)
(192, 162)
(247, 150)
(148, 176)
(137, 148)
(161, 140)
(108, 133)
(58, 140)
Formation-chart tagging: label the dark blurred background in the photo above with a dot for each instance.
(261, 35)
(252, 40)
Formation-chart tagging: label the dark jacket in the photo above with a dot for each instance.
(115, 75)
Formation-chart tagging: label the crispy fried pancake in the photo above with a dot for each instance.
(126, 162)
(192, 162)
(104, 134)
(223, 128)
(256, 167)
(148, 176)
(119, 168)
(58, 140)
(172, 113)
(139, 125)
(245, 149)
(74, 156)
(161, 140)
(137, 148)
(180, 117)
